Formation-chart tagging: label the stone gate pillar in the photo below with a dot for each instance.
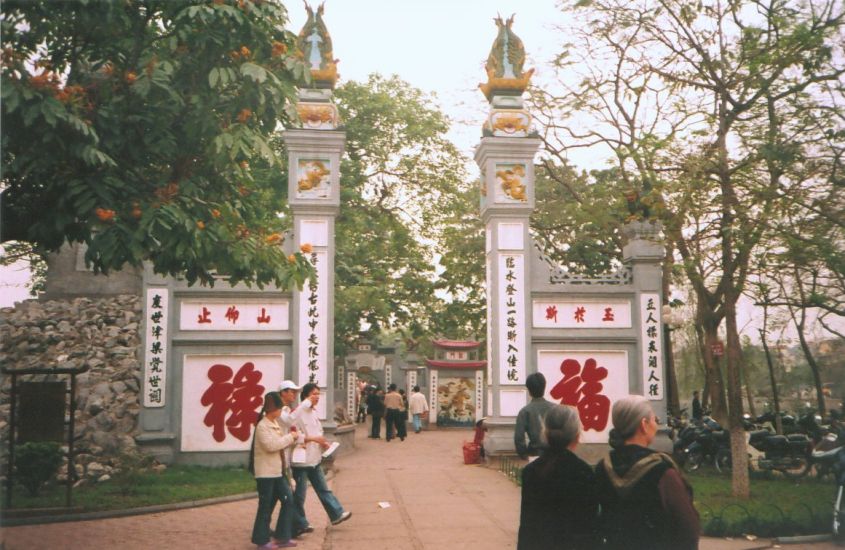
(314, 152)
(505, 157)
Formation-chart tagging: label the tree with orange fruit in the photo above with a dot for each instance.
(137, 127)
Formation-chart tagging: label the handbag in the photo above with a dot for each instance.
(298, 457)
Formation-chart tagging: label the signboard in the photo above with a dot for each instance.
(41, 411)
(590, 381)
(511, 317)
(155, 353)
(221, 398)
(214, 315)
(581, 314)
(313, 325)
(717, 349)
(651, 343)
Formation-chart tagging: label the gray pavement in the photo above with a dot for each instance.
(435, 502)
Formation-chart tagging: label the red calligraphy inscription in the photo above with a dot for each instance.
(579, 314)
(263, 318)
(205, 316)
(232, 314)
(581, 388)
(608, 314)
(551, 313)
(237, 397)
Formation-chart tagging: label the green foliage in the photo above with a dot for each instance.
(132, 467)
(135, 127)
(36, 463)
(175, 484)
(400, 181)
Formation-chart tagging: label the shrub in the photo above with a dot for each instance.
(36, 463)
(132, 466)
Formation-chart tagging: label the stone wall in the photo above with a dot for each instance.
(102, 333)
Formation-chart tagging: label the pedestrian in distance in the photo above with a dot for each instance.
(363, 395)
(529, 421)
(394, 407)
(307, 467)
(697, 411)
(268, 465)
(418, 406)
(645, 502)
(559, 509)
(375, 406)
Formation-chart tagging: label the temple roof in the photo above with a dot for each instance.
(473, 365)
(456, 344)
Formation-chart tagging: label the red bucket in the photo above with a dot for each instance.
(472, 453)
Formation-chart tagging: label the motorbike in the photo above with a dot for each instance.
(701, 444)
(788, 454)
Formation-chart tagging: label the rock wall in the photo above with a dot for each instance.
(102, 333)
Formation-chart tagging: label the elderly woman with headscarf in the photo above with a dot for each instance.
(559, 505)
(645, 502)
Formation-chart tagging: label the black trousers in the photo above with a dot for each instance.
(395, 421)
(376, 431)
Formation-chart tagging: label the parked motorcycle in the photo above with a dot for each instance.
(789, 454)
(702, 444)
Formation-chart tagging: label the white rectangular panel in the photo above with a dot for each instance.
(581, 314)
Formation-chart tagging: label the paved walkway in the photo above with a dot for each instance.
(435, 502)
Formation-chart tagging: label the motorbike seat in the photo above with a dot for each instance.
(758, 435)
(802, 438)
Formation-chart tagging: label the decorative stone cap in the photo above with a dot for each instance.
(505, 75)
(642, 230)
(314, 46)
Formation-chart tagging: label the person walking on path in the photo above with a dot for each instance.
(394, 406)
(559, 508)
(645, 502)
(309, 469)
(267, 463)
(289, 392)
(529, 421)
(375, 406)
(418, 406)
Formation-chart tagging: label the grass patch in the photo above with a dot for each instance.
(175, 484)
(778, 507)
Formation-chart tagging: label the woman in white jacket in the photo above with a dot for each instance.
(268, 465)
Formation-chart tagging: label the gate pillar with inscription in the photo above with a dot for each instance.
(505, 157)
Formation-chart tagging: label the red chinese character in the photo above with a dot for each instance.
(232, 314)
(205, 316)
(584, 392)
(551, 313)
(608, 314)
(240, 396)
(579, 314)
(263, 318)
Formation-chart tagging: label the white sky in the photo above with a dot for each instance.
(438, 46)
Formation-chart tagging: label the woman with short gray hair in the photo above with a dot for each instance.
(559, 505)
(646, 504)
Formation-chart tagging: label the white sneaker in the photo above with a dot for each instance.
(343, 517)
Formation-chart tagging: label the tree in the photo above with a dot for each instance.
(698, 102)
(401, 180)
(135, 127)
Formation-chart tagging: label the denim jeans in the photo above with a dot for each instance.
(314, 474)
(417, 422)
(270, 490)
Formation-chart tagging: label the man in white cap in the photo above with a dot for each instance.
(290, 414)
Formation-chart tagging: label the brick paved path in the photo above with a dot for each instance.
(436, 502)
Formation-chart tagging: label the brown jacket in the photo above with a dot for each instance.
(392, 400)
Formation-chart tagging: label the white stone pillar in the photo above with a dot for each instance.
(314, 155)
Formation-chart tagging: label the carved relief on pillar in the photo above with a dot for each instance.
(511, 184)
(318, 116)
(508, 123)
(313, 178)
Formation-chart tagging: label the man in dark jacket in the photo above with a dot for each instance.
(375, 407)
(529, 421)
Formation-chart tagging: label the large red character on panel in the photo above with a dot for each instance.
(240, 396)
(581, 388)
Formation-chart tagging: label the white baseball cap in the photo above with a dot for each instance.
(288, 385)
